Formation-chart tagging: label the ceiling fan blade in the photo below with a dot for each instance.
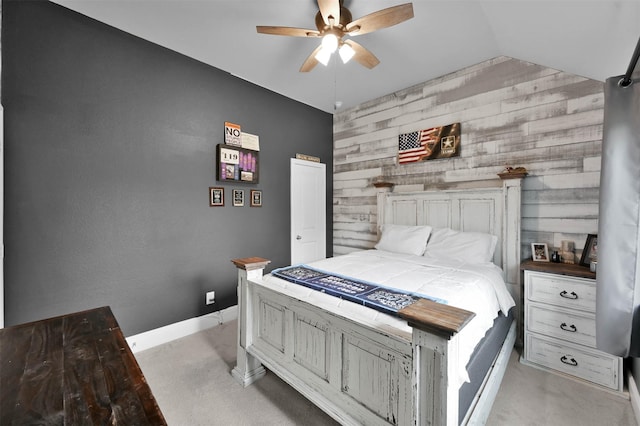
(287, 31)
(381, 19)
(362, 55)
(330, 8)
(311, 60)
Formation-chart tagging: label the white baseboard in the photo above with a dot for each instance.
(158, 336)
(634, 396)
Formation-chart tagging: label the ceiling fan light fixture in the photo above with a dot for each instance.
(346, 53)
(330, 43)
(333, 22)
(323, 56)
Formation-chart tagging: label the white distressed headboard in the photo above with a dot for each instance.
(493, 210)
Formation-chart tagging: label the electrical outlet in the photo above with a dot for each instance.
(210, 298)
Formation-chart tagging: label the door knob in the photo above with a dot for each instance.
(298, 237)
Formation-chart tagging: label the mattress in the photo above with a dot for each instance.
(481, 361)
(479, 288)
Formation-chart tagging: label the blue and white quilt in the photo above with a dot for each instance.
(375, 296)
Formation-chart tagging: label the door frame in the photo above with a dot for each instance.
(323, 167)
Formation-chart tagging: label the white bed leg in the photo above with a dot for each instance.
(248, 369)
(435, 346)
(434, 371)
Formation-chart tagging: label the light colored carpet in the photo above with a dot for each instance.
(529, 396)
(191, 380)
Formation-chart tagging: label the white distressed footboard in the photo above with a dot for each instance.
(354, 372)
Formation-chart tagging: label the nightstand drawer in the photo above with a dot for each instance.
(558, 290)
(573, 326)
(588, 364)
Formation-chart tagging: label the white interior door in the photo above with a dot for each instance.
(308, 211)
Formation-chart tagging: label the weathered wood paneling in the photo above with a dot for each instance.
(511, 113)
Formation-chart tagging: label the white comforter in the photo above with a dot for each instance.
(478, 288)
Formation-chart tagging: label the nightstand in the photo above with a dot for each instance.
(560, 326)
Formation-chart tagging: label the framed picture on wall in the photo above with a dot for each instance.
(590, 251)
(539, 252)
(235, 164)
(238, 197)
(216, 197)
(256, 198)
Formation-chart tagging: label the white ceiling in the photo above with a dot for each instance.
(591, 38)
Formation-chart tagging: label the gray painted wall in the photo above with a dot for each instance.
(110, 147)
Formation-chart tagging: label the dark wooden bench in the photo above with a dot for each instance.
(75, 369)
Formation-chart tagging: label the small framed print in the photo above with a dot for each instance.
(590, 251)
(216, 197)
(238, 197)
(256, 198)
(539, 252)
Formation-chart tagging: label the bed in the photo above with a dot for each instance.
(416, 365)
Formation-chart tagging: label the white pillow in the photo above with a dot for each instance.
(404, 239)
(472, 247)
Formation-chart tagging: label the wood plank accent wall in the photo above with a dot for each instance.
(512, 113)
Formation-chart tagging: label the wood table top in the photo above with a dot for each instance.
(572, 270)
(73, 369)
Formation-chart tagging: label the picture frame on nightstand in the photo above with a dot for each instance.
(539, 252)
(590, 251)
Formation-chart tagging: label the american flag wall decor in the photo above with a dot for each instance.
(429, 144)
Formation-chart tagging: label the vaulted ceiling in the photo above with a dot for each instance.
(590, 38)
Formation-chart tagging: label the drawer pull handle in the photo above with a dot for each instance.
(571, 295)
(572, 328)
(569, 361)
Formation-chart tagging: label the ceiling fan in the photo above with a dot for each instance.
(334, 21)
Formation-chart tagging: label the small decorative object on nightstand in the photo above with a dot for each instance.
(567, 252)
(559, 325)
